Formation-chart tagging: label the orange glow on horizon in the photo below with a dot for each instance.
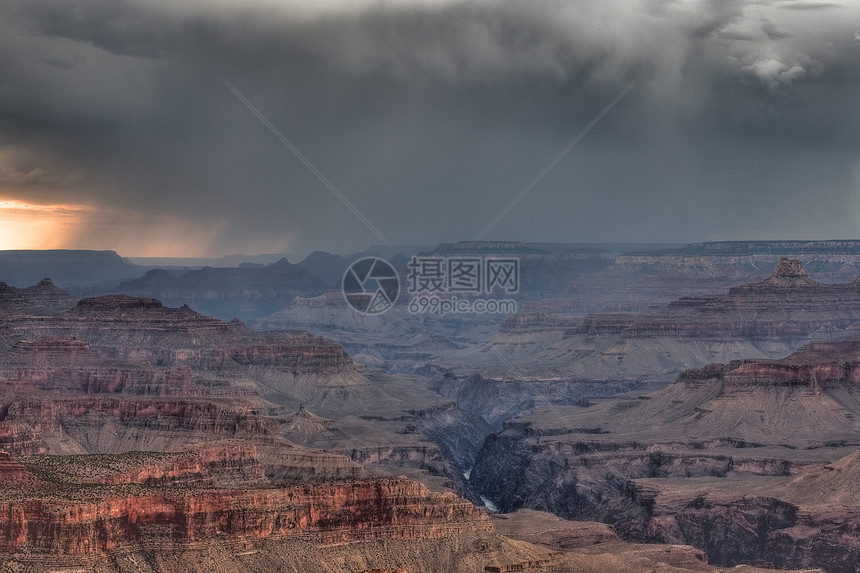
(25, 226)
(31, 226)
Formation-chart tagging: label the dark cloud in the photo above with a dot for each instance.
(804, 5)
(430, 117)
(773, 32)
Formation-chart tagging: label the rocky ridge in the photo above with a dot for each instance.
(247, 292)
(766, 319)
(41, 298)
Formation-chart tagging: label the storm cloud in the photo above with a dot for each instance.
(429, 116)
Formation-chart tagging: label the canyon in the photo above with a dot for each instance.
(695, 431)
(128, 425)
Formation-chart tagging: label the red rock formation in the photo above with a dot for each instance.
(299, 352)
(114, 349)
(70, 366)
(19, 437)
(14, 474)
(204, 465)
(82, 519)
(133, 329)
(196, 418)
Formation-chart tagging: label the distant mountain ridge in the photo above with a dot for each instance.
(246, 292)
(761, 319)
(568, 278)
(791, 247)
(67, 268)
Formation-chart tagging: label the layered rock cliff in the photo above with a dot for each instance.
(804, 521)
(119, 373)
(91, 506)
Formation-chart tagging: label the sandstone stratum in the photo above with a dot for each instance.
(108, 511)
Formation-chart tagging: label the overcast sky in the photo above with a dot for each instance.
(117, 130)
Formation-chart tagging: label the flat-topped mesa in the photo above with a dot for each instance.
(118, 302)
(141, 323)
(789, 269)
(120, 320)
(817, 365)
(141, 315)
(486, 246)
(789, 273)
(297, 352)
